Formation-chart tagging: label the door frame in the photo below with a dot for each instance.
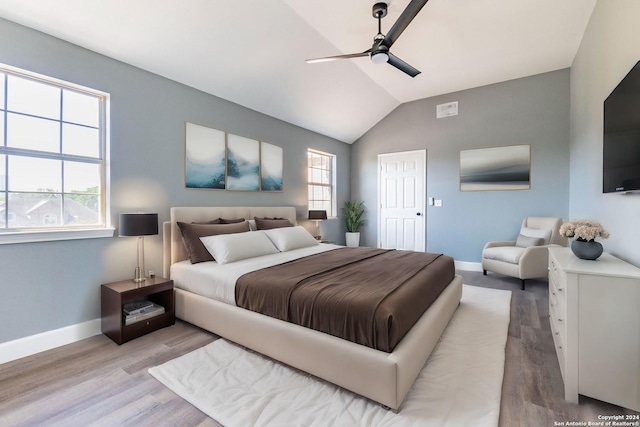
(422, 152)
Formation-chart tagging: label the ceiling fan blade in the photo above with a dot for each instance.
(333, 58)
(403, 21)
(402, 66)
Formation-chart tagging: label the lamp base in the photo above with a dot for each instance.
(137, 277)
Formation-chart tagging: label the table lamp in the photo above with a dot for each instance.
(139, 225)
(317, 216)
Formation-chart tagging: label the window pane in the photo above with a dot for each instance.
(3, 173)
(31, 97)
(80, 141)
(81, 209)
(2, 76)
(316, 175)
(35, 210)
(326, 177)
(33, 133)
(1, 129)
(33, 174)
(3, 207)
(81, 177)
(80, 108)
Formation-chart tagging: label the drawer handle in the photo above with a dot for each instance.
(557, 333)
(560, 347)
(559, 319)
(560, 289)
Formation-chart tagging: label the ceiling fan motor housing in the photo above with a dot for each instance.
(379, 10)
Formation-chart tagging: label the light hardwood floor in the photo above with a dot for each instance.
(96, 382)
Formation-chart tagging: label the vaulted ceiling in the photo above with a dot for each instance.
(252, 52)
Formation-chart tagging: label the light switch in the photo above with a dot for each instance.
(431, 201)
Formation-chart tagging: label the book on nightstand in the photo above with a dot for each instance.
(145, 313)
(137, 307)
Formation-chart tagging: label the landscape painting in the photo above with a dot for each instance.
(243, 163)
(498, 168)
(271, 167)
(205, 162)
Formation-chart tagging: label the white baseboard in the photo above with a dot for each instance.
(33, 344)
(468, 266)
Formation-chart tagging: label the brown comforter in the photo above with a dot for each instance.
(365, 295)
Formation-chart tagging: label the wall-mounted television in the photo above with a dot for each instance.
(621, 141)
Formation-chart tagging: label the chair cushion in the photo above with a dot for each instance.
(526, 241)
(510, 254)
(544, 234)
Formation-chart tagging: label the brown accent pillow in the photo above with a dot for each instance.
(230, 221)
(191, 234)
(270, 223)
(213, 221)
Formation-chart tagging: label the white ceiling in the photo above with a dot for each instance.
(253, 52)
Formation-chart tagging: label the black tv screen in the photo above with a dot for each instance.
(621, 142)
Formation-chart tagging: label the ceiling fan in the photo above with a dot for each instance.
(379, 51)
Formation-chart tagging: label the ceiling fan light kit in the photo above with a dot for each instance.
(379, 51)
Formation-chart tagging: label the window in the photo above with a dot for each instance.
(321, 179)
(52, 158)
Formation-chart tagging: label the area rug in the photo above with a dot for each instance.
(460, 385)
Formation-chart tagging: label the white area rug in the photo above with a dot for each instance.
(460, 384)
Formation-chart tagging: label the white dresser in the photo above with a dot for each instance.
(594, 311)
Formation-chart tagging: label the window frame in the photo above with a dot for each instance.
(332, 184)
(9, 234)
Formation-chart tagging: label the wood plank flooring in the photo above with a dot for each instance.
(95, 382)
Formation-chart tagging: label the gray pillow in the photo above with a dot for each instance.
(526, 241)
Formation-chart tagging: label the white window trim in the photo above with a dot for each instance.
(334, 192)
(8, 236)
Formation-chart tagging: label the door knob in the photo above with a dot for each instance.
(418, 214)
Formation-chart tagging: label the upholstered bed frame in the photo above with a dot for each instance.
(383, 377)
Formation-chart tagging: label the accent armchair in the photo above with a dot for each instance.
(528, 256)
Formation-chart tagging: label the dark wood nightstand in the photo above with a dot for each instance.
(114, 295)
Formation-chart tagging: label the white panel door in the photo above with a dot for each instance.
(401, 192)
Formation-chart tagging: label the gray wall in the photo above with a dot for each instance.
(46, 286)
(610, 47)
(532, 110)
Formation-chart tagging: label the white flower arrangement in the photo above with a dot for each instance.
(583, 230)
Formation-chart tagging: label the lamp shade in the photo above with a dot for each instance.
(317, 214)
(138, 224)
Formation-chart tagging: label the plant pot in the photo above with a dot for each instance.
(590, 250)
(353, 239)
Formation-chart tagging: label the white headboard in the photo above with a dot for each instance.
(173, 248)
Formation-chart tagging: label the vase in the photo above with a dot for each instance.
(353, 239)
(589, 250)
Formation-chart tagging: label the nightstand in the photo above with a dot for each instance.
(114, 295)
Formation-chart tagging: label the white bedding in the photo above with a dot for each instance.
(218, 281)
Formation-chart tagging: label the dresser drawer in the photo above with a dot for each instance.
(557, 299)
(560, 349)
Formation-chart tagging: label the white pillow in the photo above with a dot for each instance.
(289, 238)
(227, 248)
(535, 232)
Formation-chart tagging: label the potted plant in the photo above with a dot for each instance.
(585, 232)
(353, 218)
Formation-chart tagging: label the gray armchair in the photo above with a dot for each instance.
(528, 256)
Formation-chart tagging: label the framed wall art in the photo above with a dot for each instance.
(205, 157)
(243, 163)
(497, 168)
(271, 167)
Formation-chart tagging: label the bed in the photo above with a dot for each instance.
(384, 377)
